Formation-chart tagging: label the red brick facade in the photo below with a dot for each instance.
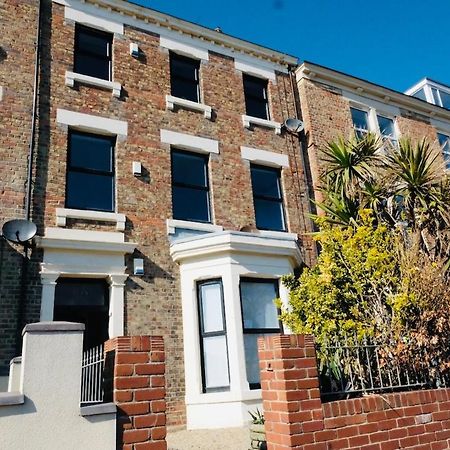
(139, 391)
(297, 419)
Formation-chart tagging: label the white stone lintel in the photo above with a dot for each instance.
(189, 142)
(172, 102)
(264, 157)
(72, 77)
(248, 121)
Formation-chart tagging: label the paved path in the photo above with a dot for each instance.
(221, 439)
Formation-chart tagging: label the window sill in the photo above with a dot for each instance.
(11, 398)
(249, 120)
(278, 235)
(62, 214)
(72, 77)
(95, 410)
(172, 224)
(172, 101)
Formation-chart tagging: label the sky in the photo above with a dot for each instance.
(394, 43)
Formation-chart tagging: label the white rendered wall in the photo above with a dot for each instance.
(50, 416)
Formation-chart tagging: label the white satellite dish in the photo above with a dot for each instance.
(293, 125)
(19, 231)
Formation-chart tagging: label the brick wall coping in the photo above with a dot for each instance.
(101, 408)
(49, 327)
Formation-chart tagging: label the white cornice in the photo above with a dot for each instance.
(84, 240)
(235, 242)
(364, 88)
(171, 27)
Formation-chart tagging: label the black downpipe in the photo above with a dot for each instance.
(29, 185)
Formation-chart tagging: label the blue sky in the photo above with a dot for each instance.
(394, 43)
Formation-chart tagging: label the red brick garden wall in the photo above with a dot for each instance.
(139, 391)
(297, 419)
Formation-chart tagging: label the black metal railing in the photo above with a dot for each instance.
(349, 370)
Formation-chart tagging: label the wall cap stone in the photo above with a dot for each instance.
(101, 408)
(49, 327)
(11, 398)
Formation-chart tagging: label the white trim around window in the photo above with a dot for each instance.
(184, 47)
(62, 214)
(95, 21)
(248, 121)
(91, 123)
(264, 157)
(189, 142)
(255, 70)
(172, 101)
(72, 77)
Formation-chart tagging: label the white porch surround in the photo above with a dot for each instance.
(228, 255)
(85, 254)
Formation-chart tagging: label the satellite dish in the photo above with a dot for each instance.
(293, 125)
(19, 230)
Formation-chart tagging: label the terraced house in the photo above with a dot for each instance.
(169, 195)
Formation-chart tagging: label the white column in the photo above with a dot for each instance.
(235, 337)
(116, 304)
(48, 280)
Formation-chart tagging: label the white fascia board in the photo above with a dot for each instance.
(264, 157)
(416, 87)
(235, 242)
(254, 69)
(204, 39)
(91, 123)
(95, 20)
(184, 46)
(189, 142)
(367, 103)
(343, 81)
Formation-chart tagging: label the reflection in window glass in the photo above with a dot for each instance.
(267, 198)
(190, 189)
(360, 120)
(387, 129)
(259, 317)
(444, 141)
(90, 172)
(213, 337)
(420, 94)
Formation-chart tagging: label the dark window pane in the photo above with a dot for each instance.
(185, 89)
(360, 119)
(190, 204)
(92, 66)
(92, 54)
(90, 191)
(386, 126)
(184, 67)
(93, 43)
(84, 301)
(184, 77)
(420, 94)
(90, 152)
(72, 292)
(256, 108)
(255, 91)
(445, 97)
(269, 215)
(189, 169)
(265, 182)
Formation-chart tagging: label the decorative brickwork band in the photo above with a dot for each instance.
(297, 419)
(139, 391)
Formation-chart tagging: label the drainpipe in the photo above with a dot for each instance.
(29, 184)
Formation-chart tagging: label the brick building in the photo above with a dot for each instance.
(169, 197)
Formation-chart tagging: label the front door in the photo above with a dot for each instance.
(84, 300)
